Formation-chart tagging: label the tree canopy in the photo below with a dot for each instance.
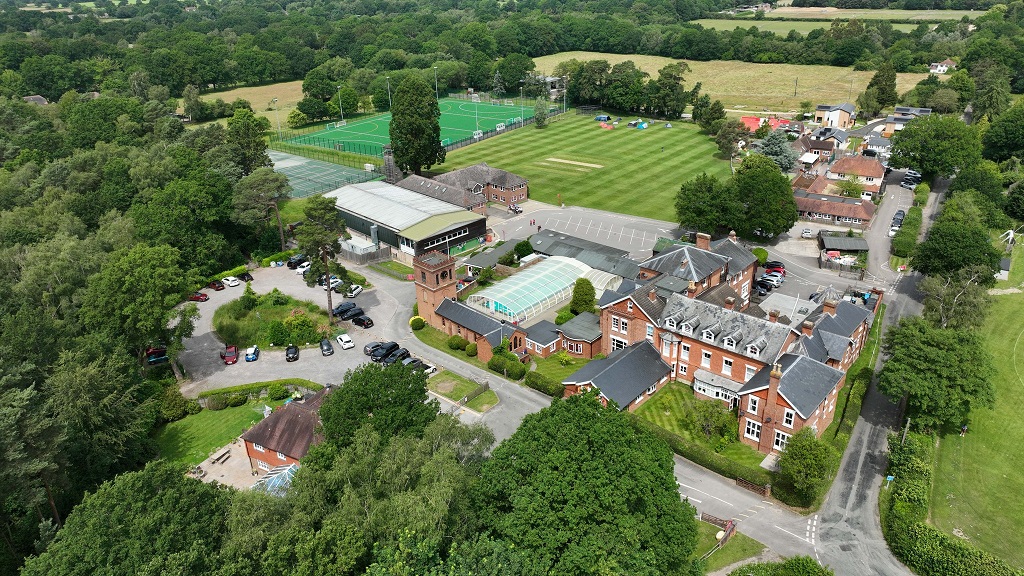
(415, 127)
(707, 204)
(767, 196)
(936, 145)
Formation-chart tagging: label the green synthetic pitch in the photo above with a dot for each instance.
(622, 170)
(459, 119)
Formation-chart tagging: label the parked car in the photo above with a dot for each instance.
(156, 355)
(216, 285)
(397, 355)
(775, 270)
(294, 261)
(774, 281)
(893, 231)
(760, 291)
(363, 321)
(763, 286)
(245, 277)
(301, 268)
(908, 185)
(807, 233)
(252, 354)
(350, 314)
(325, 347)
(229, 354)
(322, 280)
(335, 282)
(383, 351)
(899, 214)
(913, 173)
(345, 341)
(199, 297)
(291, 353)
(369, 348)
(774, 264)
(779, 275)
(343, 307)
(353, 291)
(231, 281)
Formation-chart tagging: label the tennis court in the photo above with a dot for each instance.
(459, 120)
(308, 177)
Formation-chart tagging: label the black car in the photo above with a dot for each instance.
(363, 321)
(369, 348)
(774, 264)
(291, 353)
(899, 214)
(400, 354)
(325, 347)
(245, 277)
(343, 307)
(762, 285)
(414, 364)
(297, 260)
(351, 313)
(383, 351)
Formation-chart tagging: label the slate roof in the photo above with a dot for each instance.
(475, 321)
(642, 297)
(805, 382)
(878, 141)
(454, 195)
(807, 201)
(586, 326)
(478, 176)
(717, 295)
(290, 429)
(686, 262)
(845, 106)
(844, 322)
(809, 144)
(828, 132)
(844, 243)
(490, 257)
(544, 333)
(624, 375)
(810, 346)
(739, 257)
(912, 111)
(597, 256)
(769, 337)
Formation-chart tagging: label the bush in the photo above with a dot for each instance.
(233, 272)
(471, 350)
(276, 333)
(905, 241)
(417, 323)
(563, 317)
(193, 407)
(497, 364)
(415, 307)
(458, 343)
(356, 278)
(218, 402)
(174, 406)
(301, 328)
(234, 400)
(277, 391)
(545, 385)
(257, 388)
(762, 255)
(274, 298)
(515, 370)
(278, 257)
(921, 192)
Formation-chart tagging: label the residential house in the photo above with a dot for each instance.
(812, 150)
(880, 144)
(946, 65)
(698, 268)
(868, 172)
(468, 199)
(494, 184)
(781, 399)
(826, 133)
(752, 122)
(285, 435)
(839, 116)
(835, 333)
(833, 209)
(628, 377)
(900, 116)
(579, 337)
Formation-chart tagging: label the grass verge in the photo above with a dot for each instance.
(193, 438)
(271, 322)
(394, 269)
(483, 402)
(780, 27)
(451, 385)
(436, 339)
(739, 547)
(553, 369)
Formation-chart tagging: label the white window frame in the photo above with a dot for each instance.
(629, 306)
(650, 332)
(622, 344)
(752, 430)
(781, 440)
(705, 359)
(263, 465)
(749, 373)
(685, 352)
(729, 343)
(788, 417)
(666, 347)
(258, 448)
(652, 389)
(727, 366)
(707, 336)
(623, 326)
(753, 350)
(615, 323)
(682, 369)
(752, 402)
(281, 456)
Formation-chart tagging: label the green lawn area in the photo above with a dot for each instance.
(291, 210)
(236, 325)
(780, 27)
(451, 385)
(393, 269)
(437, 339)
(552, 369)
(192, 439)
(600, 168)
(672, 406)
(483, 402)
(978, 487)
(739, 547)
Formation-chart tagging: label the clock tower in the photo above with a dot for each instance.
(435, 281)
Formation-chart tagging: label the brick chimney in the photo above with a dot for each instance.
(730, 303)
(703, 241)
(807, 327)
(773, 316)
(691, 290)
(774, 379)
(732, 236)
(830, 307)
(652, 295)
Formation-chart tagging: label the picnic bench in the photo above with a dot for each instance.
(221, 456)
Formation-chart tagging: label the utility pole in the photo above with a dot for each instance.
(389, 92)
(436, 97)
(342, 110)
(905, 430)
(796, 81)
(278, 117)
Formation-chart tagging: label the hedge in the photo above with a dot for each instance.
(457, 343)
(905, 241)
(545, 385)
(925, 549)
(279, 257)
(236, 271)
(357, 278)
(471, 350)
(704, 456)
(509, 367)
(258, 387)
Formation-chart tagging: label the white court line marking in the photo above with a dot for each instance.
(705, 493)
(797, 536)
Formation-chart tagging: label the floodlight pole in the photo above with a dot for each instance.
(436, 96)
(522, 108)
(278, 117)
(342, 110)
(565, 91)
(389, 92)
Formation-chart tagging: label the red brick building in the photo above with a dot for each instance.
(701, 267)
(579, 337)
(468, 199)
(284, 437)
(835, 333)
(628, 377)
(494, 184)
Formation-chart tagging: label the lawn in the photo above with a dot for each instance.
(780, 27)
(978, 489)
(483, 402)
(795, 12)
(288, 95)
(236, 325)
(622, 170)
(1016, 270)
(192, 439)
(436, 339)
(291, 210)
(739, 547)
(393, 269)
(455, 387)
(750, 86)
(551, 368)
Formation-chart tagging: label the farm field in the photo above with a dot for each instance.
(621, 170)
(780, 27)
(977, 486)
(749, 86)
(830, 13)
(288, 95)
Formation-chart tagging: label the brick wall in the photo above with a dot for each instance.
(269, 458)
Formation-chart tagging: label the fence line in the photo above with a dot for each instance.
(765, 490)
(492, 133)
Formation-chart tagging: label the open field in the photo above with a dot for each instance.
(753, 87)
(978, 490)
(830, 13)
(780, 27)
(288, 95)
(640, 170)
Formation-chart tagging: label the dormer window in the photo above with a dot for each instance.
(687, 329)
(729, 343)
(629, 306)
(707, 336)
(670, 323)
(753, 350)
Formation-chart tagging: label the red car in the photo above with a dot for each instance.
(781, 271)
(217, 285)
(199, 297)
(230, 354)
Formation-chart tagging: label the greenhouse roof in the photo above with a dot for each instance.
(531, 291)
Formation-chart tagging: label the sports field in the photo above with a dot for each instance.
(978, 488)
(780, 27)
(459, 120)
(623, 170)
(830, 13)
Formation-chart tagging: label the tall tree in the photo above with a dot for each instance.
(258, 196)
(318, 238)
(600, 499)
(1004, 138)
(729, 136)
(959, 300)
(245, 138)
(952, 246)
(992, 92)
(884, 81)
(319, 85)
(766, 194)
(584, 297)
(707, 204)
(936, 145)
(806, 465)
(776, 146)
(540, 113)
(868, 103)
(415, 126)
(943, 373)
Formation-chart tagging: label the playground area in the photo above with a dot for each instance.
(461, 119)
(308, 176)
